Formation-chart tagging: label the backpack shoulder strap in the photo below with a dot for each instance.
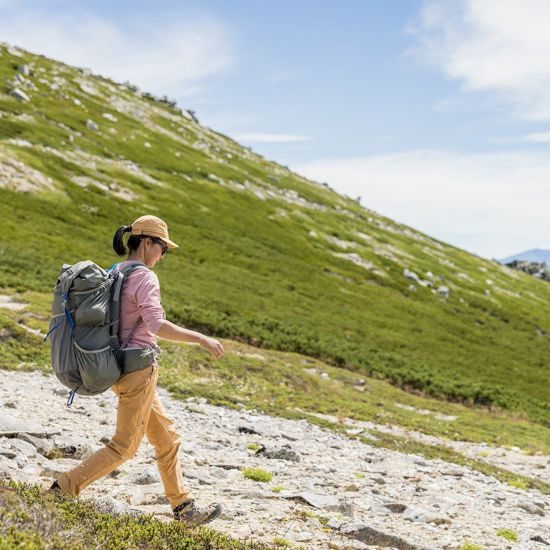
(131, 266)
(121, 274)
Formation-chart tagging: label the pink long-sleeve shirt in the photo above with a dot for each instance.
(140, 301)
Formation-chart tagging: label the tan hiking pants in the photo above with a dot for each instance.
(139, 412)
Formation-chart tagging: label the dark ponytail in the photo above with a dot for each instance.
(118, 243)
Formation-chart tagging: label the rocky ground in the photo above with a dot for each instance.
(512, 459)
(336, 492)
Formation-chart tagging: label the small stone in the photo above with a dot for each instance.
(314, 499)
(371, 536)
(19, 95)
(453, 472)
(444, 291)
(411, 275)
(32, 469)
(419, 515)
(24, 447)
(379, 510)
(335, 523)
(145, 477)
(531, 508)
(396, 507)
(279, 453)
(244, 530)
(9, 454)
(91, 125)
(145, 496)
(10, 426)
(314, 523)
(43, 446)
(113, 506)
(304, 536)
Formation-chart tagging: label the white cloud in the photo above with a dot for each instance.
(490, 204)
(537, 137)
(271, 138)
(166, 55)
(491, 45)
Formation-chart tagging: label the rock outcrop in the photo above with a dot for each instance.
(539, 270)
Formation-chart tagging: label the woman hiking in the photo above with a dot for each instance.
(140, 411)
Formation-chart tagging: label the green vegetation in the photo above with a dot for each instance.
(277, 488)
(508, 534)
(253, 446)
(470, 546)
(257, 474)
(304, 514)
(33, 519)
(249, 268)
(265, 275)
(280, 542)
(518, 483)
(54, 453)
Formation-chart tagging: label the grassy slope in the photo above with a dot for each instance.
(35, 520)
(248, 269)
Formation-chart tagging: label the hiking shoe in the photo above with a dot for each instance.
(189, 514)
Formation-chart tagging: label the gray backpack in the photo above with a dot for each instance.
(86, 354)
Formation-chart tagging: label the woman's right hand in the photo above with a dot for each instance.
(213, 346)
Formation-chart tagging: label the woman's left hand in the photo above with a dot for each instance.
(212, 345)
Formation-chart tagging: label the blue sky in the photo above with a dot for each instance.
(435, 113)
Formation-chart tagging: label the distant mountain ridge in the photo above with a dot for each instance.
(538, 255)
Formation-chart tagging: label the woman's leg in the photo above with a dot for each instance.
(136, 391)
(162, 434)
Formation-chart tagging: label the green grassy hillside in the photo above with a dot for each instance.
(267, 257)
(33, 519)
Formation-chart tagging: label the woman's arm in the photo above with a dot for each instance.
(171, 331)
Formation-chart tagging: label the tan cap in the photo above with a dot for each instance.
(154, 227)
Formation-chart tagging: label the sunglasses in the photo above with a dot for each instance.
(163, 245)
